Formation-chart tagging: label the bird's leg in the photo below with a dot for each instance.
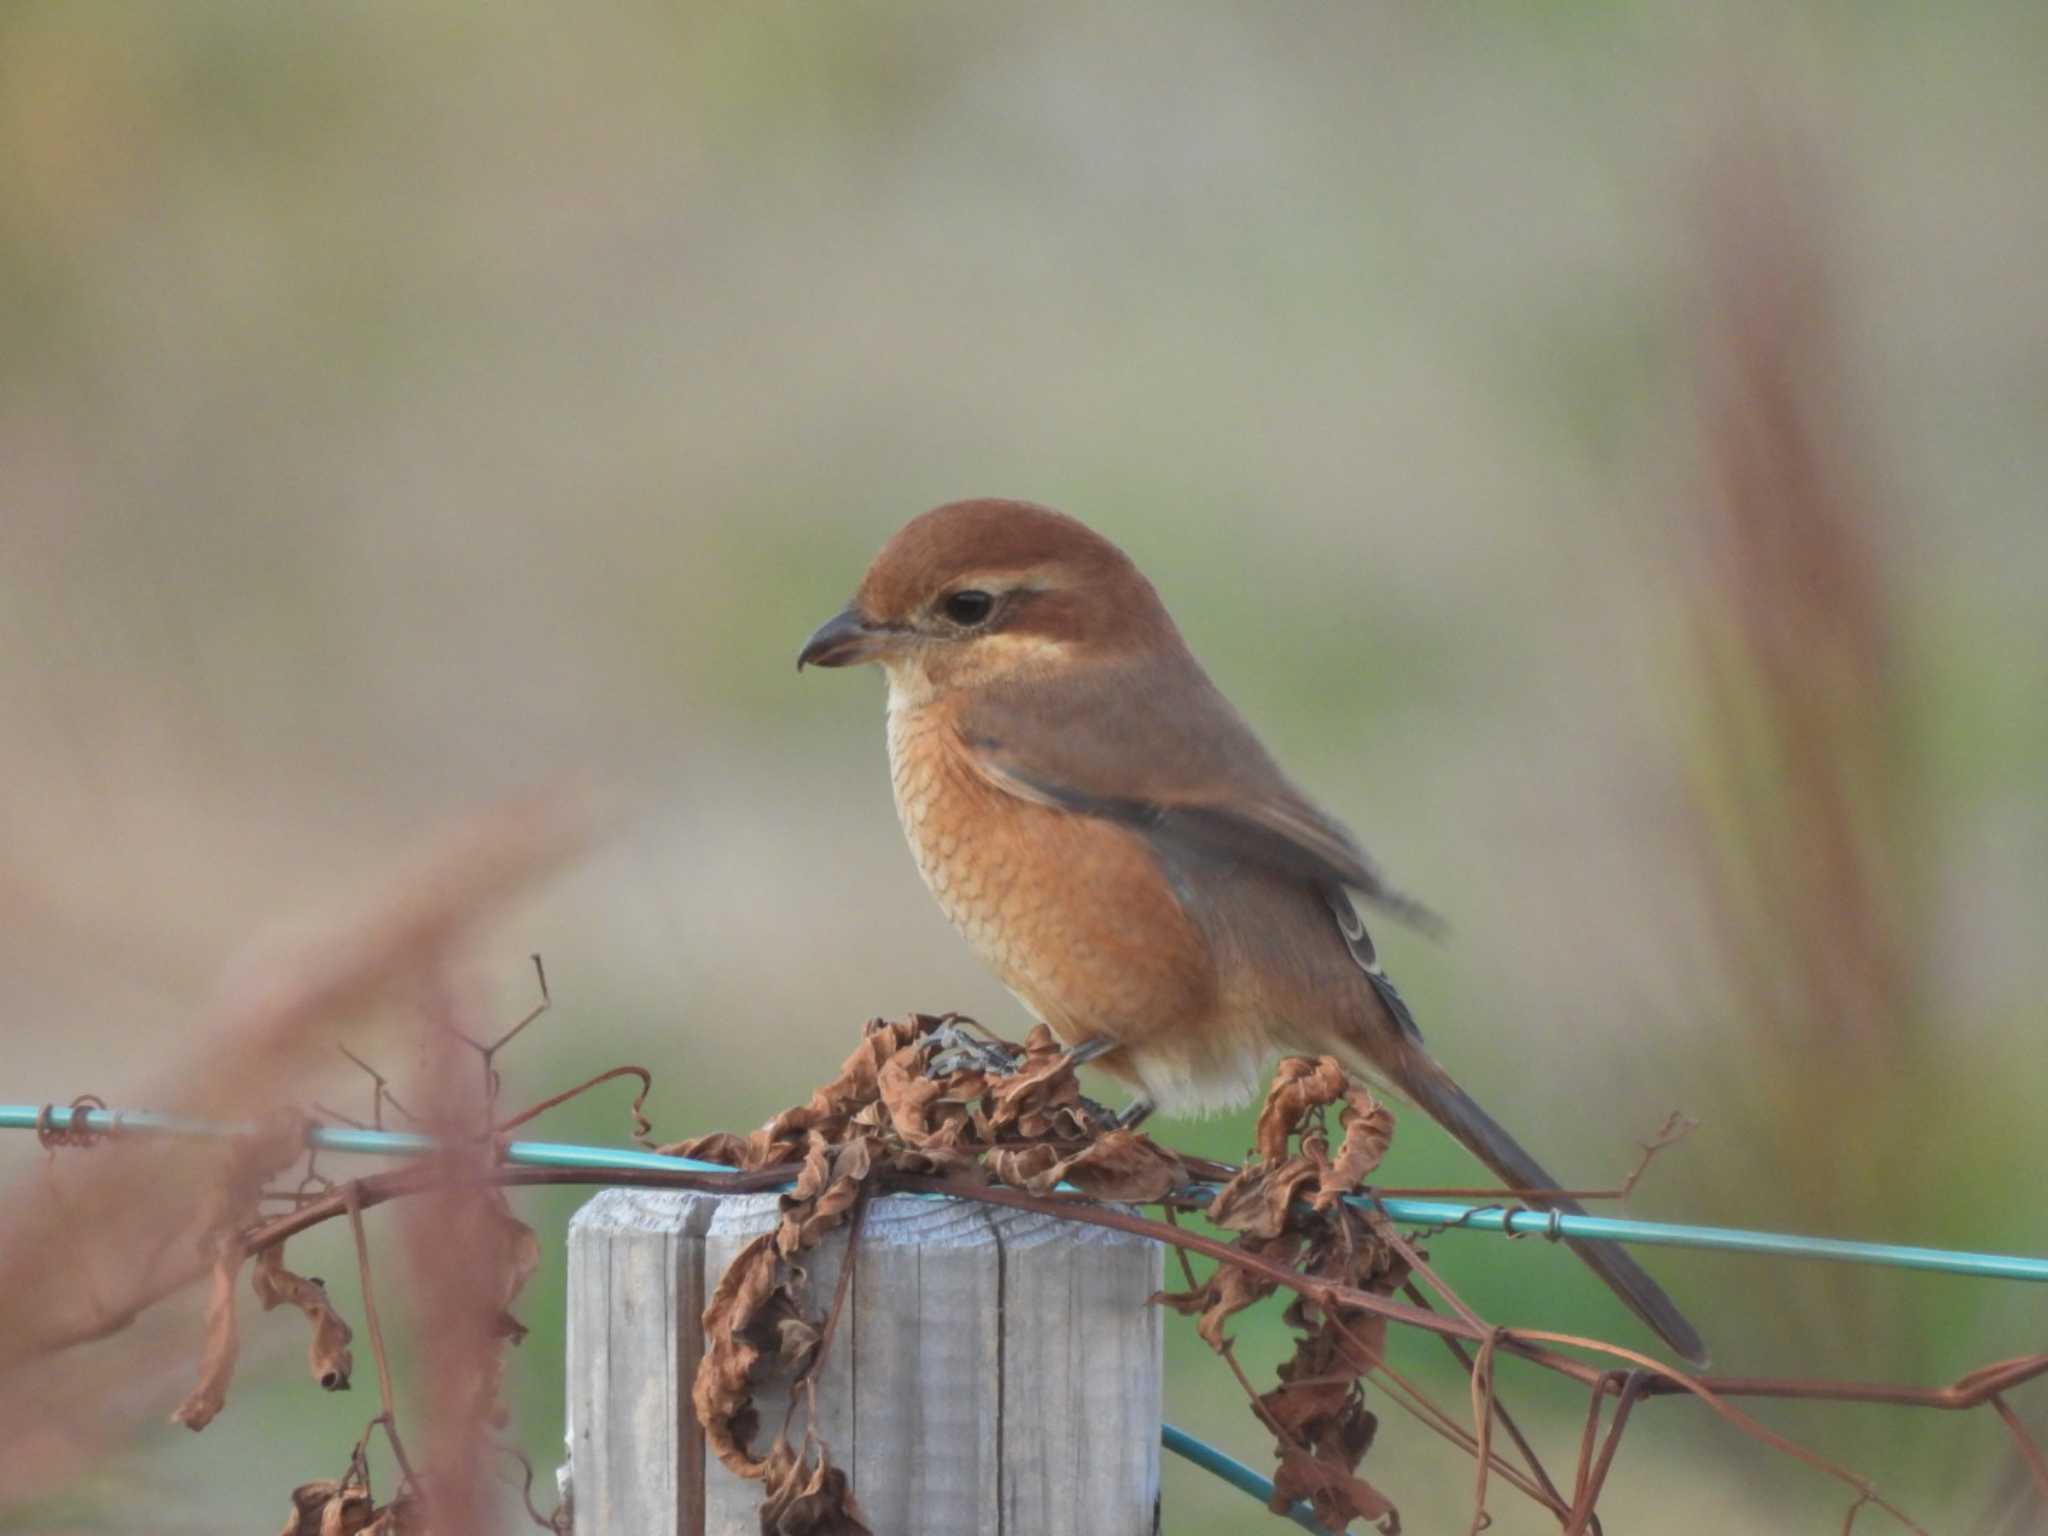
(1135, 1113)
(1088, 1050)
(1080, 1055)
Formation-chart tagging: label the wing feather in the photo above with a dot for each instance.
(1168, 756)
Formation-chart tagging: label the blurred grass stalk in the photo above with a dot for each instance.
(96, 1245)
(1806, 816)
(1804, 767)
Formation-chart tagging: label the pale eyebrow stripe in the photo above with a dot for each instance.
(1014, 578)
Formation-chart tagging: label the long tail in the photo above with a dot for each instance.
(1417, 1074)
(1452, 1108)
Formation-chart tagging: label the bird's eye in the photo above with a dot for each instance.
(969, 608)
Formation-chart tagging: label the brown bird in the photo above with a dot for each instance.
(1106, 831)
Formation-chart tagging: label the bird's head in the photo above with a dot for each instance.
(977, 592)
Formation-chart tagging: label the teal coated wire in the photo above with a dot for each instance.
(1235, 1473)
(1513, 1221)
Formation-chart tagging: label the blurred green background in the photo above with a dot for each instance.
(400, 403)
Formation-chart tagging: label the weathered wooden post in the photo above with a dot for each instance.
(995, 1371)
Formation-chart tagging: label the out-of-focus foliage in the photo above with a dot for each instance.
(403, 402)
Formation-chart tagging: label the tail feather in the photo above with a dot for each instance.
(1431, 1087)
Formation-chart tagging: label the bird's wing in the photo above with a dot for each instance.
(1160, 749)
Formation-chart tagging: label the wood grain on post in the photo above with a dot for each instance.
(636, 1308)
(995, 1371)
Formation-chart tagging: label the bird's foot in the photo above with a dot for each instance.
(951, 1049)
(1135, 1114)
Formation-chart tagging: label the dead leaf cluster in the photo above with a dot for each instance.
(919, 1096)
(344, 1507)
(931, 1097)
(1285, 1206)
(924, 1096)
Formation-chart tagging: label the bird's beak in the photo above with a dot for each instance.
(844, 640)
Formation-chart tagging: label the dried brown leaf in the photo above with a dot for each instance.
(941, 1158)
(1285, 1206)
(757, 1310)
(717, 1147)
(327, 1505)
(328, 1353)
(1300, 1085)
(723, 1394)
(1259, 1200)
(348, 1511)
(807, 1496)
(798, 1340)
(1368, 1130)
(1025, 1167)
(1337, 1497)
(1231, 1288)
(924, 1109)
(1122, 1165)
(217, 1363)
(909, 1096)
(858, 1082)
(245, 1163)
(1042, 1097)
(308, 1500)
(824, 1193)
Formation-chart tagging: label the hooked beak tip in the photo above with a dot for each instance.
(840, 641)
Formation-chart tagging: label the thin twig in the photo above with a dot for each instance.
(1541, 1475)
(352, 1200)
(553, 1522)
(1411, 1399)
(488, 1054)
(381, 1094)
(1419, 1265)
(1593, 1473)
(1676, 1127)
(855, 1224)
(1727, 1411)
(540, 976)
(2030, 1452)
(1482, 1425)
(641, 1125)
